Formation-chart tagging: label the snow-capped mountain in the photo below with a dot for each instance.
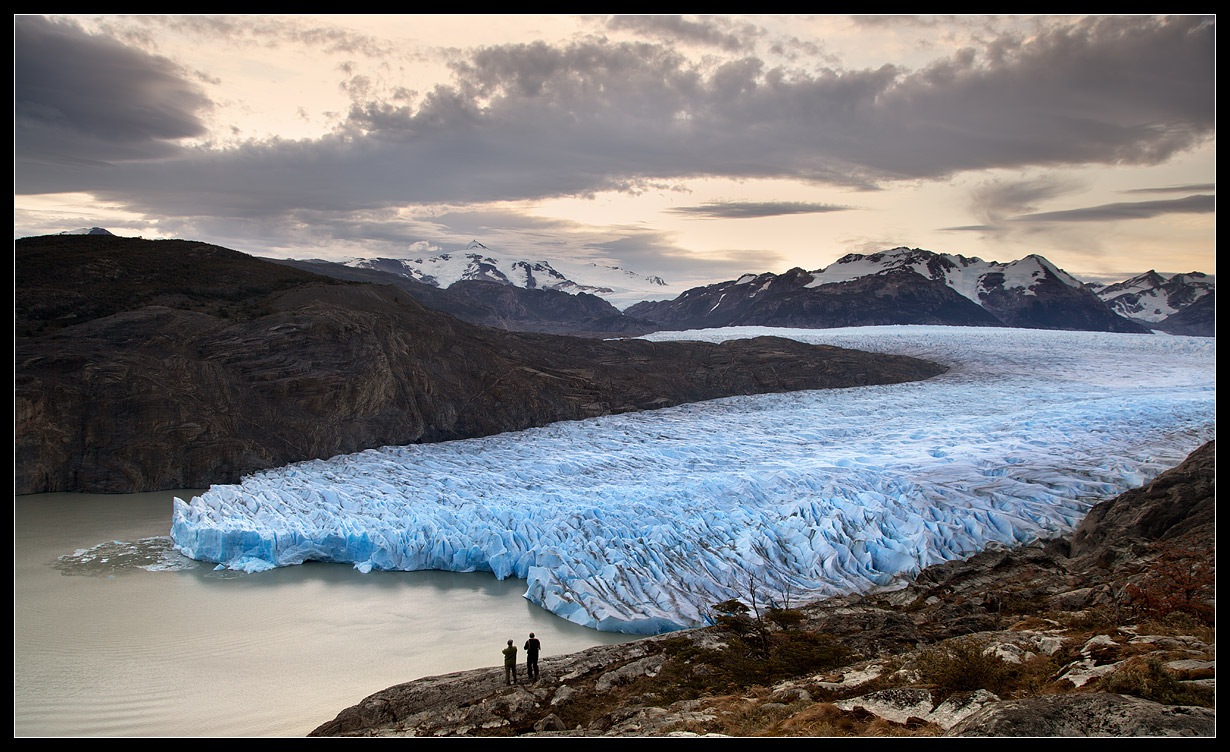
(898, 286)
(971, 277)
(1153, 297)
(88, 231)
(618, 286)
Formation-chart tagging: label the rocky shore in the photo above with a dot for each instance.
(1109, 632)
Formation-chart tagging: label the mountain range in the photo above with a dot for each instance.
(915, 286)
(476, 263)
(1178, 304)
(897, 286)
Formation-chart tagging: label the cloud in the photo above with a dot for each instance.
(985, 229)
(653, 253)
(732, 36)
(1174, 188)
(1197, 204)
(753, 210)
(81, 98)
(996, 200)
(536, 120)
(265, 31)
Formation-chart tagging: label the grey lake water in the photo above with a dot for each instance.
(114, 634)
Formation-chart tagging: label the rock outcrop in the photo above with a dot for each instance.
(1097, 714)
(1011, 642)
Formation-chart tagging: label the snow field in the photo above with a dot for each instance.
(639, 522)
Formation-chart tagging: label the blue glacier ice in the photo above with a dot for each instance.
(639, 522)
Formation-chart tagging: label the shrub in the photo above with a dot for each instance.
(965, 664)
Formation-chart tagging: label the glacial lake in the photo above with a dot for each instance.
(115, 635)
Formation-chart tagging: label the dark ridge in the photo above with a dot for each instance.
(64, 280)
(146, 383)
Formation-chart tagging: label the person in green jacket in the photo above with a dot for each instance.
(510, 663)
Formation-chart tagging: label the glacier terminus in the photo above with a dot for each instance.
(639, 522)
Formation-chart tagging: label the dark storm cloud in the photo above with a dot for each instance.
(84, 98)
(732, 36)
(1199, 204)
(752, 210)
(528, 121)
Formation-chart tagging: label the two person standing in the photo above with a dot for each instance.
(532, 647)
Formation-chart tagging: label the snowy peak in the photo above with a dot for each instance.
(618, 286)
(1152, 297)
(88, 231)
(447, 269)
(898, 286)
(970, 276)
(1150, 280)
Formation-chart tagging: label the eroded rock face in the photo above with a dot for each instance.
(163, 397)
(1177, 503)
(1097, 714)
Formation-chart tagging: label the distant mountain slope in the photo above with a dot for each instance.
(1152, 297)
(898, 297)
(87, 231)
(496, 304)
(1178, 304)
(902, 286)
(620, 287)
(143, 365)
(1196, 320)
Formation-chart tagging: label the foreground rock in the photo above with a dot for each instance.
(1097, 714)
(146, 365)
(1080, 637)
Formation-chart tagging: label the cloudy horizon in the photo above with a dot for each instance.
(694, 148)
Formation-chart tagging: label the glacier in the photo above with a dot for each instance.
(639, 522)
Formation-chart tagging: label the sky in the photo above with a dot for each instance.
(696, 148)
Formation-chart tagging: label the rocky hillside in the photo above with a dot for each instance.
(1107, 633)
(144, 365)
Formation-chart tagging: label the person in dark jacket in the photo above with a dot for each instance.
(532, 646)
(510, 663)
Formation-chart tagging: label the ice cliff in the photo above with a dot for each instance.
(638, 522)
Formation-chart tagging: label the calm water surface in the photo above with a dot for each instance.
(116, 635)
